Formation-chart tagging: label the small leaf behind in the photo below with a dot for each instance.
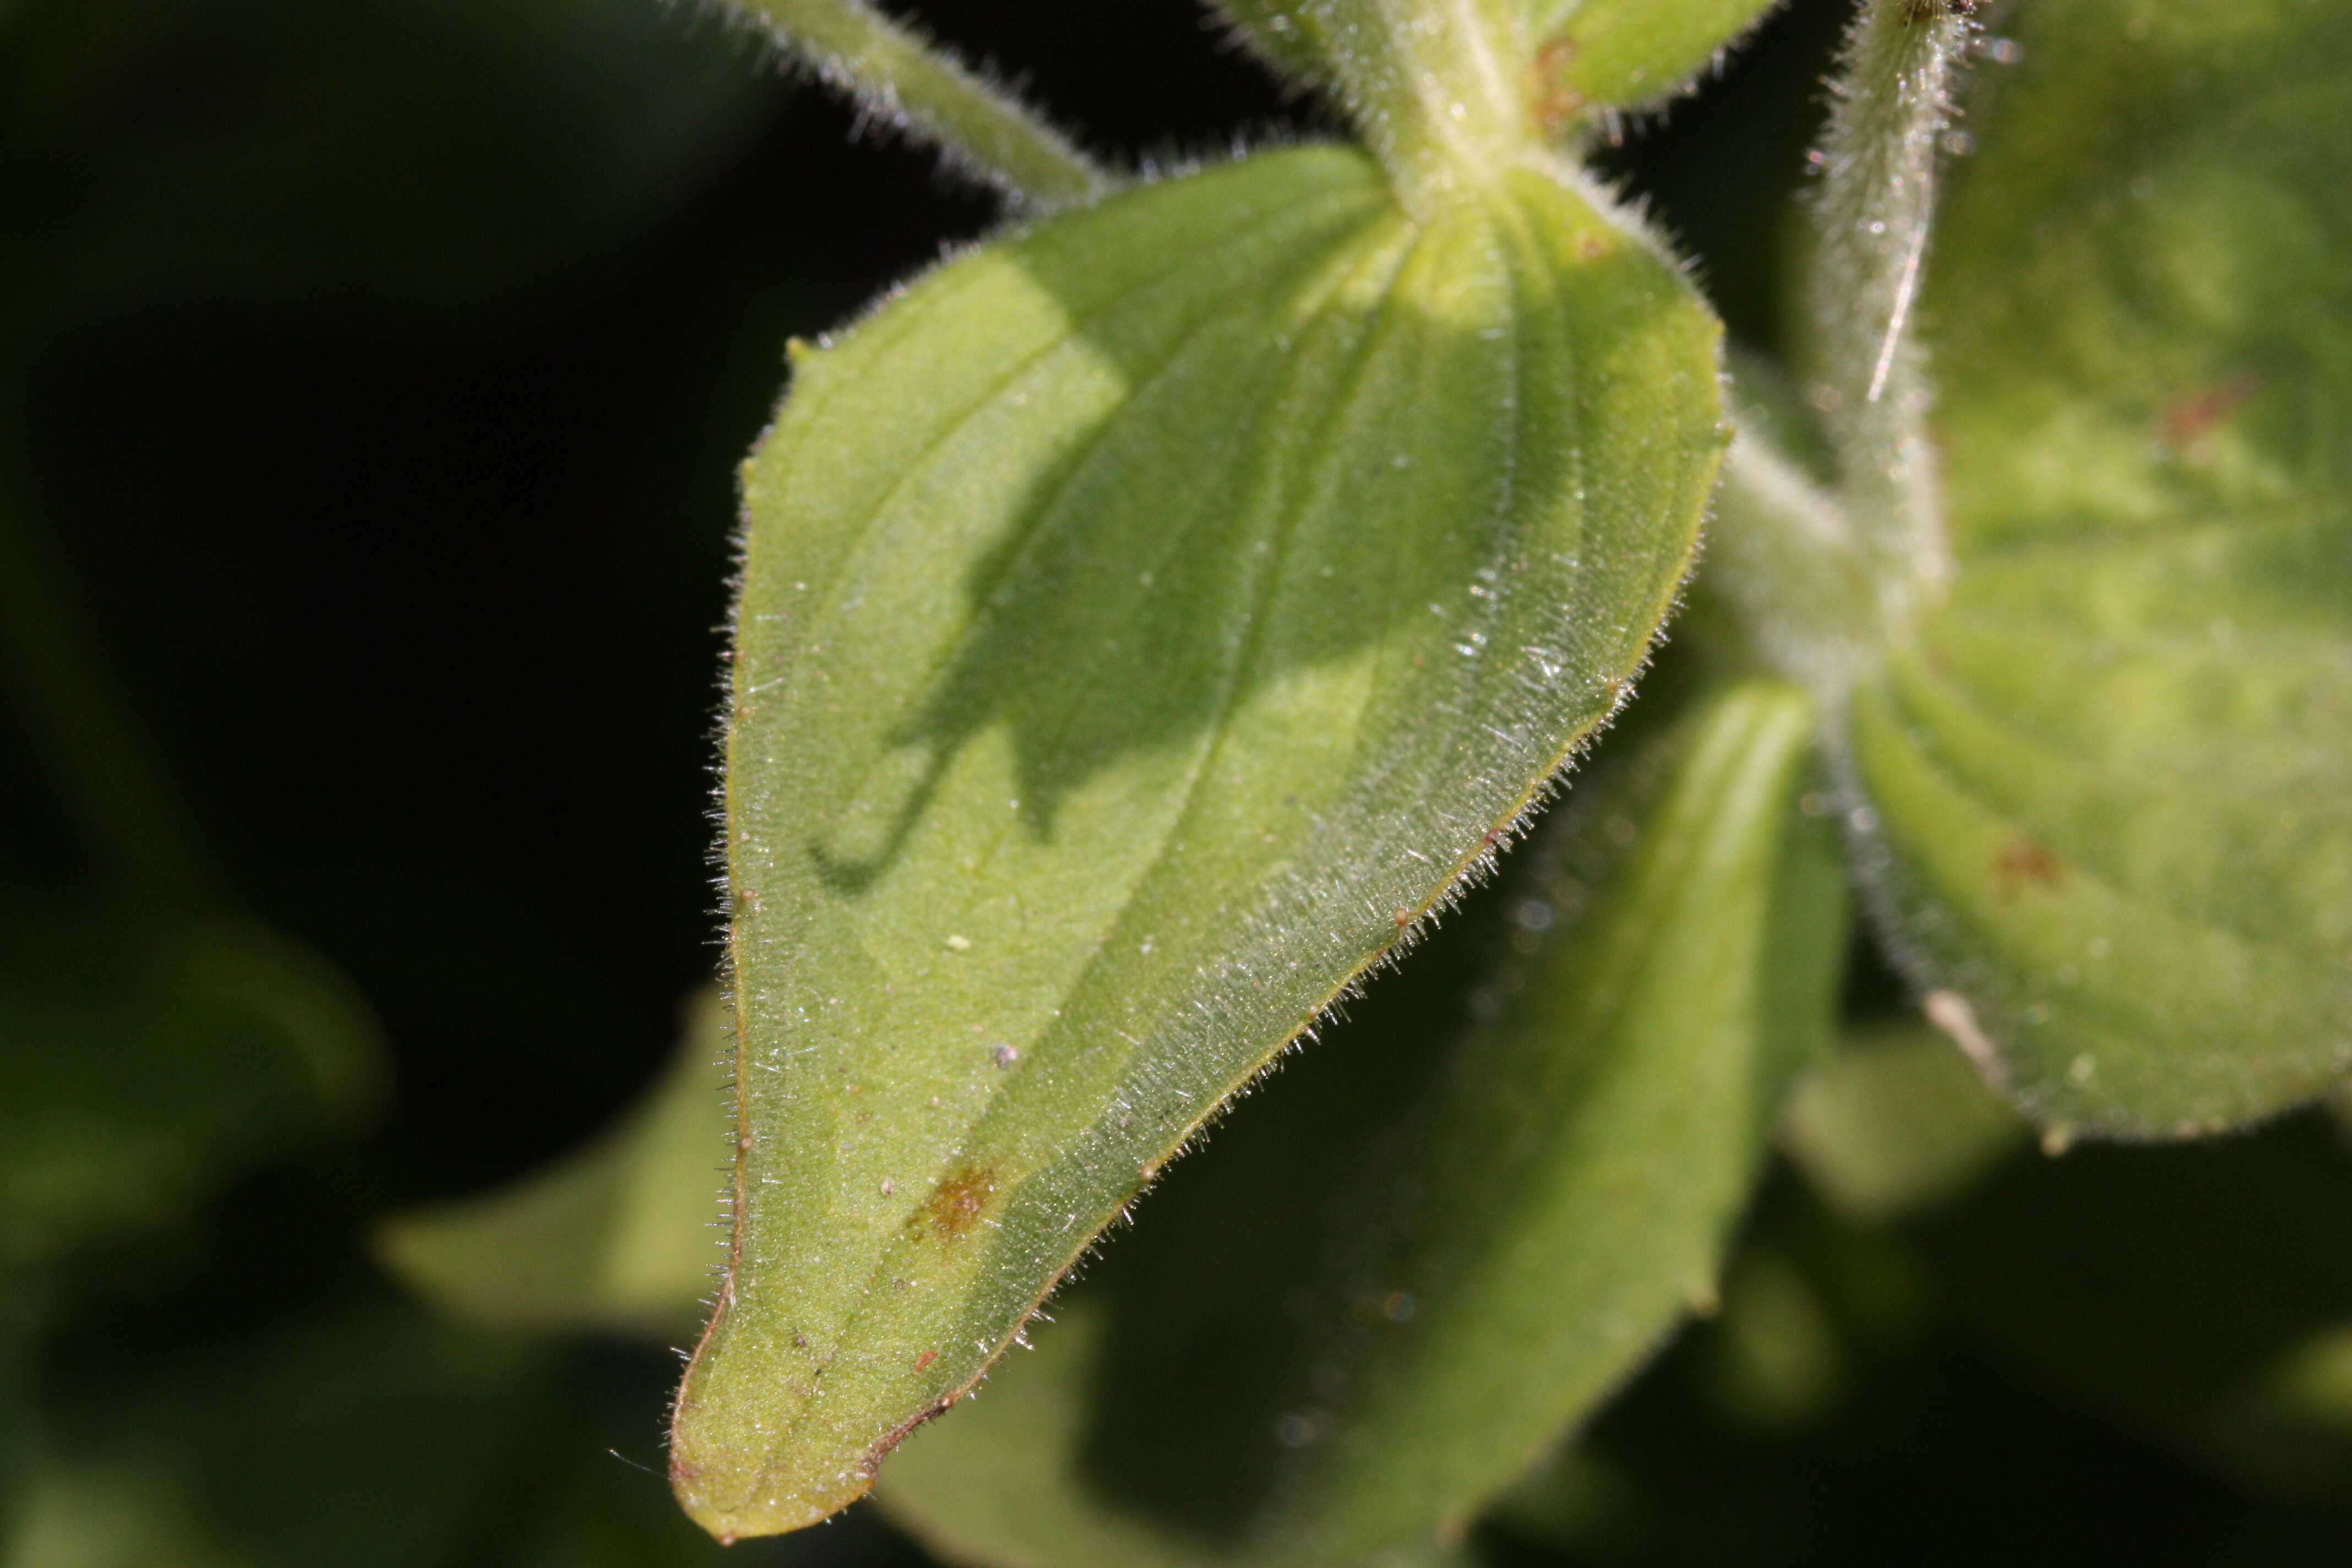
(2113, 778)
(1382, 1296)
(1896, 1121)
(142, 1065)
(617, 1235)
(1625, 54)
(1144, 621)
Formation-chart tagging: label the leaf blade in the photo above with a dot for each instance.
(2110, 779)
(1144, 623)
(1629, 54)
(1370, 1326)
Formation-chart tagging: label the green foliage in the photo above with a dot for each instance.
(1335, 1343)
(1193, 590)
(1155, 623)
(2110, 776)
(1087, 742)
(371, 1433)
(1895, 1122)
(1627, 54)
(139, 1067)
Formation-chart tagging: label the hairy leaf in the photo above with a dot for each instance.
(1611, 54)
(617, 1235)
(1144, 621)
(1378, 1299)
(2110, 785)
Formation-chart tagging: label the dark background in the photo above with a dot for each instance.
(373, 378)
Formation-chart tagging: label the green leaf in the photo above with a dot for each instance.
(138, 1068)
(1897, 1121)
(1144, 621)
(2109, 783)
(1378, 1299)
(617, 1235)
(1626, 54)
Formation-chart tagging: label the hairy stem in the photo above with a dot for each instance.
(1876, 200)
(1790, 564)
(1438, 89)
(901, 78)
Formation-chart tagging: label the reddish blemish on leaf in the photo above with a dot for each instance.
(2024, 862)
(955, 1205)
(1556, 103)
(2188, 422)
(926, 1359)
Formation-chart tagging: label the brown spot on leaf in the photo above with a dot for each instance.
(2188, 421)
(1555, 103)
(2022, 862)
(926, 1359)
(956, 1203)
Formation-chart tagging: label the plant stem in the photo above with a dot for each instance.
(1789, 563)
(1876, 201)
(1438, 89)
(901, 78)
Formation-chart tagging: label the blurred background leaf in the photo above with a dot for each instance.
(1894, 1121)
(137, 1067)
(625, 1234)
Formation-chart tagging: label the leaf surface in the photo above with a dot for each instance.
(2112, 779)
(1381, 1297)
(1145, 620)
(1624, 54)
